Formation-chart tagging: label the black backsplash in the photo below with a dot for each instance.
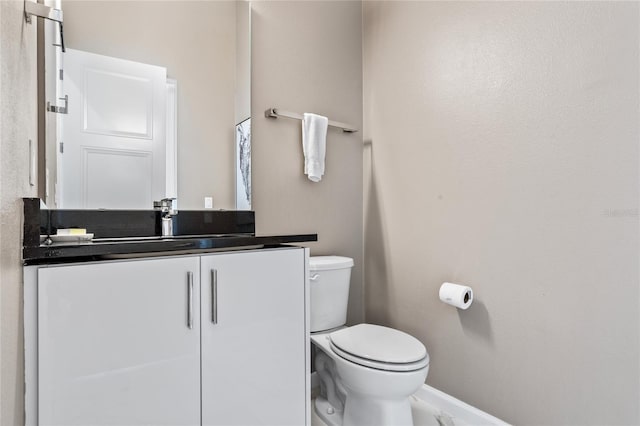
(33, 220)
(208, 222)
(131, 223)
(106, 223)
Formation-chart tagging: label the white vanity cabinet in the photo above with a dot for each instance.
(253, 338)
(210, 339)
(119, 343)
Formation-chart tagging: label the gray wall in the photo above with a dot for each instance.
(307, 57)
(505, 156)
(18, 124)
(195, 41)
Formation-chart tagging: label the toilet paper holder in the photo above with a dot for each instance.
(460, 296)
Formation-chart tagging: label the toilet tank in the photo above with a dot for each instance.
(329, 278)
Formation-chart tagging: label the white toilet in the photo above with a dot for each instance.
(367, 372)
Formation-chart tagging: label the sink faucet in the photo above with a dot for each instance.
(166, 207)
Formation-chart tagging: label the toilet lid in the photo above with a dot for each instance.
(380, 344)
(324, 263)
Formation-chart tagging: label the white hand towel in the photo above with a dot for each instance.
(314, 144)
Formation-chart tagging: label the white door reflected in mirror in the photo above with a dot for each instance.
(115, 152)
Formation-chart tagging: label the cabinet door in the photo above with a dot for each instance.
(253, 358)
(115, 346)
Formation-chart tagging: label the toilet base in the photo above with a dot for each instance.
(327, 413)
(365, 412)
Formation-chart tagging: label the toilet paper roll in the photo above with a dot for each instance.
(456, 295)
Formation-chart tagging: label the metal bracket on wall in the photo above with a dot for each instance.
(41, 11)
(59, 109)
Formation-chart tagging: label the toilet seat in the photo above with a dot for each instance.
(380, 365)
(379, 347)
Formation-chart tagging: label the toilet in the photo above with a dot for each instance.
(366, 372)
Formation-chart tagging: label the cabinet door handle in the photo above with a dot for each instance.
(214, 296)
(190, 300)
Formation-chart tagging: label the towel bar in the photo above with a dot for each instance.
(276, 112)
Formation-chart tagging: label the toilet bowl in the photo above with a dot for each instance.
(366, 372)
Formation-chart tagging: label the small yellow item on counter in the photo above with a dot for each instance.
(72, 231)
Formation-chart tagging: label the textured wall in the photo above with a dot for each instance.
(307, 57)
(195, 41)
(18, 124)
(505, 156)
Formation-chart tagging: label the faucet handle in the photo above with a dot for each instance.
(166, 204)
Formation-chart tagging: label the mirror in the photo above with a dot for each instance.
(196, 115)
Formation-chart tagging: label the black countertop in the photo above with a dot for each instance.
(112, 248)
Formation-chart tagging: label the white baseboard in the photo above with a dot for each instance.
(460, 412)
